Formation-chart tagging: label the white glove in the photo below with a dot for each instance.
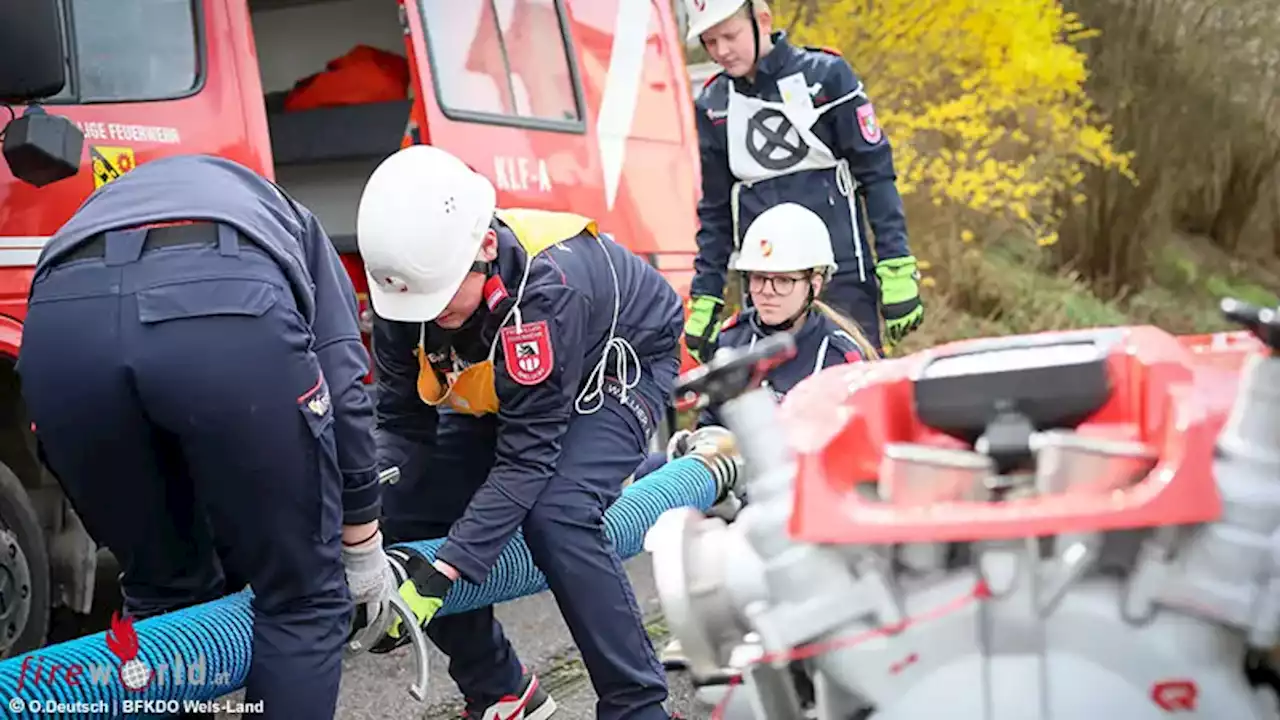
(678, 445)
(369, 575)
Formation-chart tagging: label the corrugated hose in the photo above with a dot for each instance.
(215, 638)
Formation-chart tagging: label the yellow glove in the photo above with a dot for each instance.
(701, 329)
(423, 589)
(900, 298)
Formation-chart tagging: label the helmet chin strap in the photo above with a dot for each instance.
(489, 271)
(755, 32)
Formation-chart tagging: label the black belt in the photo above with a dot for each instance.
(199, 233)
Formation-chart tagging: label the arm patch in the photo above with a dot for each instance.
(528, 352)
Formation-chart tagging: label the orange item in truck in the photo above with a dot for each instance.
(363, 75)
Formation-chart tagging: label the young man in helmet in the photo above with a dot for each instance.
(192, 364)
(523, 360)
(785, 123)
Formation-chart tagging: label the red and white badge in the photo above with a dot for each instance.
(528, 352)
(868, 125)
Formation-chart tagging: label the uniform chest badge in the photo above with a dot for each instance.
(527, 352)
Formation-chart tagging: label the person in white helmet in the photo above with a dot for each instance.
(786, 260)
(783, 123)
(523, 359)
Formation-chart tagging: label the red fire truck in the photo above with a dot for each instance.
(563, 104)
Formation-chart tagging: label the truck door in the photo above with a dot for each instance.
(571, 105)
(500, 89)
(574, 105)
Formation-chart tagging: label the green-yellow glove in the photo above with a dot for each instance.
(423, 589)
(900, 297)
(702, 329)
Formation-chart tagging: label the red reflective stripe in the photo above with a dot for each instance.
(312, 391)
(165, 224)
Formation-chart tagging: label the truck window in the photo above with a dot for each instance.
(501, 58)
(134, 50)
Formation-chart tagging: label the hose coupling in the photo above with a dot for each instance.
(717, 449)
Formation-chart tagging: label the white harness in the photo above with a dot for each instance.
(772, 139)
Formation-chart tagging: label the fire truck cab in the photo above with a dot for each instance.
(578, 105)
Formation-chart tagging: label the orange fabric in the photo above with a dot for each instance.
(363, 75)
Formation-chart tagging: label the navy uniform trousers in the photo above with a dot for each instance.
(564, 531)
(170, 390)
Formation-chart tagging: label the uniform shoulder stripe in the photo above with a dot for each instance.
(827, 50)
(845, 344)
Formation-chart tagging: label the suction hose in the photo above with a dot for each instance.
(203, 652)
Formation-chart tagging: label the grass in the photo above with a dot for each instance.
(1006, 288)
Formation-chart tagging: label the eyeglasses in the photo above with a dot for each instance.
(778, 284)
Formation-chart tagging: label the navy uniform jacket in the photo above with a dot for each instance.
(819, 344)
(201, 187)
(870, 164)
(572, 288)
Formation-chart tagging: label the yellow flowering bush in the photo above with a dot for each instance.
(984, 101)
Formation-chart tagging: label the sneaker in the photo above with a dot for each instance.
(673, 657)
(530, 703)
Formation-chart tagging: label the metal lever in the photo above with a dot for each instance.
(1264, 323)
(369, 635)
(734, 371)
(418, 641)
(366, 637)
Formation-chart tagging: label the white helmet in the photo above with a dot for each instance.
(786, 238)
(706, 14)
(422, 218)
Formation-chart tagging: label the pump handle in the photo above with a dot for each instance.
(1264, 323)
(734, 371)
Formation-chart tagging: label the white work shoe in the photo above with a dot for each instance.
(531, 703)
(673, 657)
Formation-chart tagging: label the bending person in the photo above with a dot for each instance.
(192, 363)
(523, 361)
